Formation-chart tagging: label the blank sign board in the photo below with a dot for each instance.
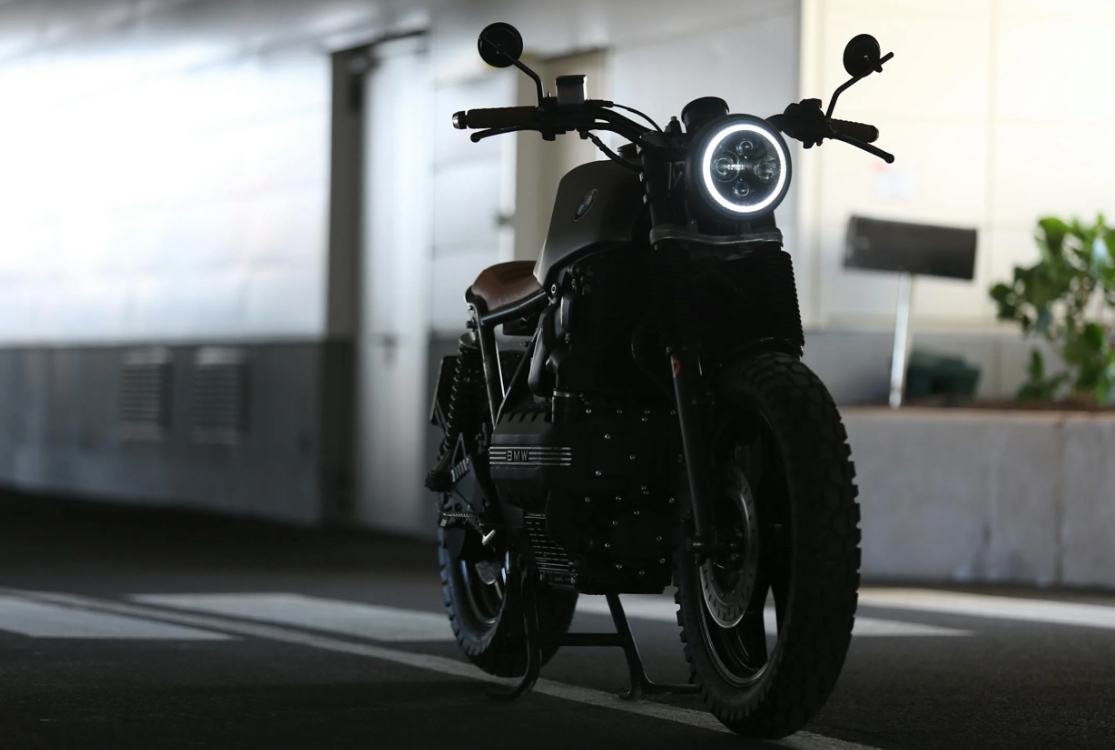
(920, 249)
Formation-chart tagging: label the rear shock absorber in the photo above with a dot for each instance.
(463, 410)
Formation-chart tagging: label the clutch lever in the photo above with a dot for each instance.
(482, 134)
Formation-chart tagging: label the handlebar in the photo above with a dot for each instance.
(806, 122)
(549, 118)
(856, 130)
(496, 117)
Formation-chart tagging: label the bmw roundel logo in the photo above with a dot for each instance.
(586, 204)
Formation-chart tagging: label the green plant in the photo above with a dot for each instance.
(1067, 298)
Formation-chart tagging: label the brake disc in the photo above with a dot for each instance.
(728, 578)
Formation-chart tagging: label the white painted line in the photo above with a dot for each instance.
(658, 607)
(998, 607)
(329, 615)
(870, 627)
(452, 667)
(39, 620)
(663, 609)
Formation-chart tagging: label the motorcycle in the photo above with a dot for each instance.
(655, 424)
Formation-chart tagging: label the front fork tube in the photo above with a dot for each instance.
(690, 396)
(669, 282)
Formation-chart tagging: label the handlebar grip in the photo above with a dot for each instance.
(858, 130)
(495, 117)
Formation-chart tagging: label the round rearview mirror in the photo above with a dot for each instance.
(861, 56)
(500, 44)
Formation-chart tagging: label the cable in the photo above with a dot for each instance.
(640, 114)
(609, 153)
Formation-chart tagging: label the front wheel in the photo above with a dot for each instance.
(767, 620)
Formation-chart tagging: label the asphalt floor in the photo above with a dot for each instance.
(126, 628)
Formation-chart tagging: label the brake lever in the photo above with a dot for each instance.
(873, 150)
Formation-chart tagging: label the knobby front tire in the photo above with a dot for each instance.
(806, 507)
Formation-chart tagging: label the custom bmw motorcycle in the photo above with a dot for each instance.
(649, 419)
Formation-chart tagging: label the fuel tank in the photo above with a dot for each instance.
(598, 207)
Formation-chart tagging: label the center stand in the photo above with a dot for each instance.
(522, 587)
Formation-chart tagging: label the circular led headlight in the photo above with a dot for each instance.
(740, 166)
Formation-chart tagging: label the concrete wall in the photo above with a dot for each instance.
(259, 430)
(986, 496)
(166, 182)
(165, 172)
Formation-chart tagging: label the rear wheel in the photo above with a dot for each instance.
(489, 626)
(767, 621)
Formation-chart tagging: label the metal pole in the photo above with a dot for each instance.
(901, 339)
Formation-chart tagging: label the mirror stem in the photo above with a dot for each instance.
(533, 76)
(836, 94)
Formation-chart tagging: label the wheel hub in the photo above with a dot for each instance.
(488, 571)
(728, 577)
(484, 583)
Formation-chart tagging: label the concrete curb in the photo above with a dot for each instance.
(988, 496)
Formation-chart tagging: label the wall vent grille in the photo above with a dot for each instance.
(219, 396)
(143, 406)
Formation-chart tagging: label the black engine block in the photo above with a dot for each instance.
(593, 488)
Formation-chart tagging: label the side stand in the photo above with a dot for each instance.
(535, 641)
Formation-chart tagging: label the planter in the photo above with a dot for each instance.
(984, 495)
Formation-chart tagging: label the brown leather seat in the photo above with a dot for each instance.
(504, 284)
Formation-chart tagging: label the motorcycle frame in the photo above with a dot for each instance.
(498, 390)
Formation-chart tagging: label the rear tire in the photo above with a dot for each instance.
(489, 627)
(785, 438)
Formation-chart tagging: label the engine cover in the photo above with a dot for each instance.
(594, 490)
(584, 454)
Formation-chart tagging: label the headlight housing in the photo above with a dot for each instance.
(740, 166)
